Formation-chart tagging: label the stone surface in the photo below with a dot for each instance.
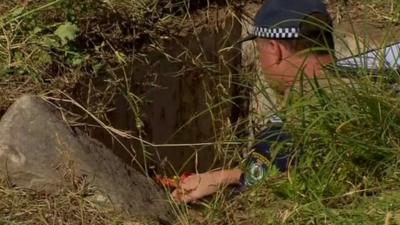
(39, 151)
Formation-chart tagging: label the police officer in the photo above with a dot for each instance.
(293, 38)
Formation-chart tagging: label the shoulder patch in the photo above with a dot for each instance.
(275, 120)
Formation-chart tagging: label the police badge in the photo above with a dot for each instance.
(261, 159)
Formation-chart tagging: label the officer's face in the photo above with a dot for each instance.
(282, 65)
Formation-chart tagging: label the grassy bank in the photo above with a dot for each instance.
(346, 137)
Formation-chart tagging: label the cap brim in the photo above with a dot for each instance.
(248, 38)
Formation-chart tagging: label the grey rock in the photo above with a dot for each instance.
(39, 151)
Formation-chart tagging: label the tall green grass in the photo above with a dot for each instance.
(346, 136)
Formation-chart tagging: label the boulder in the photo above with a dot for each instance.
(39, 151)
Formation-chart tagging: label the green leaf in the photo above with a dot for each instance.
(43, 58)
(37, 30)
(77, 60)
(50, 42)
(121, 57)
(67, 32)
(18, 11)
(97, 67)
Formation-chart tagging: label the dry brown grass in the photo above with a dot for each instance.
(69, 206)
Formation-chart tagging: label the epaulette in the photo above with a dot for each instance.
(373, 61)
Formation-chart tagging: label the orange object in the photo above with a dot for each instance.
(171, 182)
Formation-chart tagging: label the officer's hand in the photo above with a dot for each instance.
(201, 185)
(196, 187)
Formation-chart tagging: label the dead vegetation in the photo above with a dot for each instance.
(72, 205)
(19, 206)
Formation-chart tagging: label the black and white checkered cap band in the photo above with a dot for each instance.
(278, 33)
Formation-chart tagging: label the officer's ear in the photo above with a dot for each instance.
(278, 49)
(272, 50)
